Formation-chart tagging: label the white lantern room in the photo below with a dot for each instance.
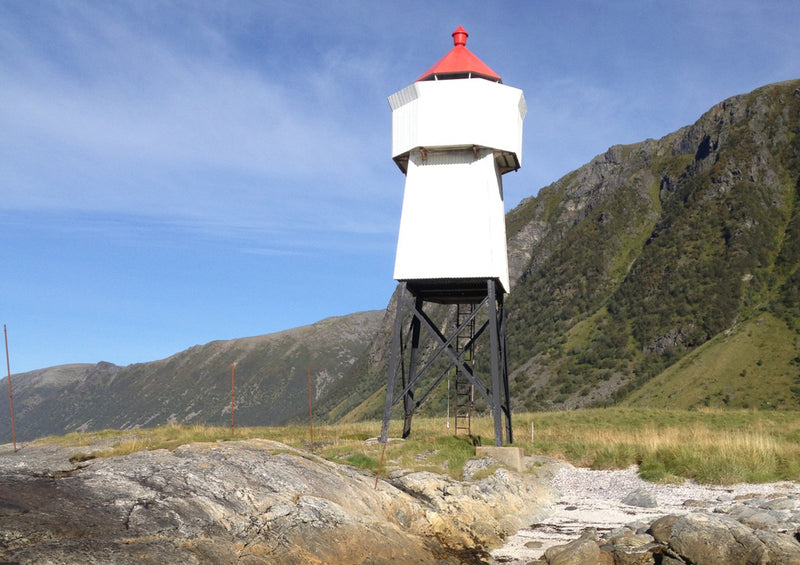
(455, 132)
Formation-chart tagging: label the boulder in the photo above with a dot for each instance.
(780, 548)
(697, 539)
(661, 529)
(642, 498)
(582, 551)
(756, 517)
(704, 539)
(478, 514)
(204, 503)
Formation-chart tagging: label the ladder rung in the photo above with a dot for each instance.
(463, 387)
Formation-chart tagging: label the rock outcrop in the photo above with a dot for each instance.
(613, 517)
(726, 537)
(250, 501)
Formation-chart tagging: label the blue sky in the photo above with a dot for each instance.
(172, 173)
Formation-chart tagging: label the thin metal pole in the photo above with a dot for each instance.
(310, 411)
(447, 425)
(233, 379)
(380, 465)
(10, 398)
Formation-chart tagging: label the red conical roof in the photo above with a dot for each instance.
(459, 62)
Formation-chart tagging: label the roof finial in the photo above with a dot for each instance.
(460, 37)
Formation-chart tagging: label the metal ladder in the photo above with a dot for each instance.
(464, 390)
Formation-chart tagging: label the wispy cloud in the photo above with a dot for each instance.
(106, 115)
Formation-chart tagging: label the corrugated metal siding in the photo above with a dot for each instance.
(452, 224)
(461, 112)
(452, 157)
(403, 97)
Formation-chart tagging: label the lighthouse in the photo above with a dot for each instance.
(455, 132)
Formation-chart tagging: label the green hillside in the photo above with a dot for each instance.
(755, 365)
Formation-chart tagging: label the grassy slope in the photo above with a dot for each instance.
(756, 366)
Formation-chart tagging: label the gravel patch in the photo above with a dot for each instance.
(594, 499)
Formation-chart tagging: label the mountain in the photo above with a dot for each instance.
(662, 273)
(271, 383)
(654, 265)
(652, 250)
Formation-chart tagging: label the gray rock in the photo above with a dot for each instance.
(703, 539)
(627, 547)
(782, 503)
(488, 510)
(631, 540)
(757, 518)
(780, 548)
(692, 503)
(582, 551)
(661, 529)
(642, 498)
(475, 466)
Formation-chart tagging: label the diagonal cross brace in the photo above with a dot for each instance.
(435, 383)
(447, 370)
(445, 346)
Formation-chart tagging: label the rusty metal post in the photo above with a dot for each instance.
(310, 412)
(233, 378)
(380, 465)
(10, 397)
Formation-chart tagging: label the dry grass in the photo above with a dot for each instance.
(719, 447)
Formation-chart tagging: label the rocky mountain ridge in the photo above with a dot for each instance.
(271, 383)
(656, 248)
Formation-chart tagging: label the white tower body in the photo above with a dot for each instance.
(454, 138)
